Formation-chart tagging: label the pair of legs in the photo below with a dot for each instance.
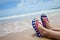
(49, 31)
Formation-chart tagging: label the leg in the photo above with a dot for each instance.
(56, 29)
(49, 26)
(53, 34)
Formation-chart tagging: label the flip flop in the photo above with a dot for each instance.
(44, 17)
(35, 28)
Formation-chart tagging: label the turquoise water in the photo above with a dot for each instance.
(26, 6)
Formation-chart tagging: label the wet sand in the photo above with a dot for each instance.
(25, 35)
(28, 32)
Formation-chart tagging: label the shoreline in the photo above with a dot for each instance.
(16, 26)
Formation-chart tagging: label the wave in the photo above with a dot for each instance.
(28, 14)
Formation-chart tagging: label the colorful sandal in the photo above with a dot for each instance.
(35, 28)
(45, 18)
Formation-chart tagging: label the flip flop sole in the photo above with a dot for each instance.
(35, 28)
(45, 18)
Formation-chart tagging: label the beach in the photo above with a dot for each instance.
(21, 28)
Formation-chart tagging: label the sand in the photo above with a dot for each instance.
(25, 35)
(22, 30)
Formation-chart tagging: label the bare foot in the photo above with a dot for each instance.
(48, 26)
(40, 28)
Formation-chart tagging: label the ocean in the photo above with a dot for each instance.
(27, 6)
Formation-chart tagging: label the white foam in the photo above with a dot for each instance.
(28, 14)
(13, 31)
(12, 27)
